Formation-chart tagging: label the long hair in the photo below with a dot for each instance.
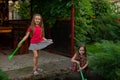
(33, 24)
(82, 59)
(84, 50)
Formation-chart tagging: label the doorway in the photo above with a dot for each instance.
(61, 35)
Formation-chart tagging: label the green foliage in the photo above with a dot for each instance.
(3, 76)
(100, 7)
(83, 27)
(24, 10)
(108, 26)
(52, 9)
(104, 59)
(105, 23)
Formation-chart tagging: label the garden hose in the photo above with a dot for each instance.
(81, 73)
(12, 54)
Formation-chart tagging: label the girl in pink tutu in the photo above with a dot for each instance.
(37, 39)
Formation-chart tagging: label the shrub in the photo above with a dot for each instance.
(104, 59)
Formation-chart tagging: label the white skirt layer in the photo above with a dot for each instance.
(40, 45)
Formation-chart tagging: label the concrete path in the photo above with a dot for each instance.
(20, 67)
(26, 60)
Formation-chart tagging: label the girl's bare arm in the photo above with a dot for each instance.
(74, 59)
(24, 38)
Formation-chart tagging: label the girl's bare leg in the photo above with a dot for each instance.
(35, 59)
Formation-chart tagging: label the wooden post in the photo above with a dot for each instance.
(72, 31)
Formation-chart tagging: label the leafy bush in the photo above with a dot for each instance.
(105, 21)
(24, 10)
(108, 26)
(104, 59)
(52, 9)
(83, 13)
(100, 7)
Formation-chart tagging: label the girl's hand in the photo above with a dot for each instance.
(79, 69)
(44, 38)
(78, 62)
(19, 44)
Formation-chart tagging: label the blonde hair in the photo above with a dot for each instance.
(33, 24)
